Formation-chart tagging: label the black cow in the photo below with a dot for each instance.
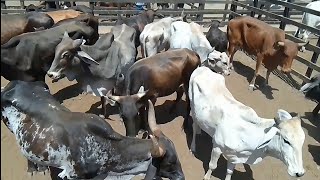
(161, 75)
(82, 145)
(16, 24)
(28, 56)
(217, 38)
(108, 60)
(139, 21)
(312, 91)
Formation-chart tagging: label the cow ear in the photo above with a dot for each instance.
(85, 57)
(66, 35)
(283, 115)
(267, 137)
(77, 43)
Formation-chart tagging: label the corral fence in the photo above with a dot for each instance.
(285, 14)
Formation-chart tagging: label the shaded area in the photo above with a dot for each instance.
(68, 92)
(163, 114)
(315, 152)
(248, 72)
(313, 128)
(110, 110)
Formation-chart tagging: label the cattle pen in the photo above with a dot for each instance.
(202, 11)
(265, 102)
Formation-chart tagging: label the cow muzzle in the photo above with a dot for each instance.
(55, 76)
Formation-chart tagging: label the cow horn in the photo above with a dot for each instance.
(141, 93)
(65, 35)
(114, 98)
(152, 120)
(155, 9)
(157, 150)
(281, 43)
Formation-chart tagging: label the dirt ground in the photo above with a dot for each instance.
(265, 101)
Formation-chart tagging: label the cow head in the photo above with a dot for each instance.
(288, 51)
(166, 158)
(217, 61)
(150, 13)
(285, 141)
(129, 107)
(68, 56)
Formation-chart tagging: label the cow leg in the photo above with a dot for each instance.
(231, 51)
(103, 107)
(267, 77)
(185, 122)
(32, 167)
(196, 130)
(151, 172)
(215, 154)
(256, 72)
(179, 96)
(316, 110)
(230, 168)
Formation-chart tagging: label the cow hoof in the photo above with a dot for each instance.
(42, 168)
(30, 173)
(102, 116)
(206, 177)
(251, 87)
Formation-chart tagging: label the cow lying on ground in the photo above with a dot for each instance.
(28, 56)
(312, 91)
(309, 20)
(267, 43)
(252, 137)
(161, 75)
(156, 35)
(90, 20)
(190, 35)
(217, 38)
(139, 21)
(16, 24)
(82, 145)
(95, 67)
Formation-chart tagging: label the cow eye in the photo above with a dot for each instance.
(285, 141)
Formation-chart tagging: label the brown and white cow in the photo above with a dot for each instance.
(265, 42)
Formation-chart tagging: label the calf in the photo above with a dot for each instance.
(267, 43)
(309, 20)
(95, 67)
(252, 137)
(161, 75)
(83, 145)
(217, 38)
(190, 35)
(139, 21)
(312, 91)
(155, 36)
(16, 24)
(28, 56)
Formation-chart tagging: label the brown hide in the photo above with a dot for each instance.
(63, 14)
(266, 43)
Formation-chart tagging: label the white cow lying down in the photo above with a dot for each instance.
(190, 35)
(237, 131)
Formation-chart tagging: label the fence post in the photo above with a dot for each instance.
(313, 60)
(286, 13)
(22, 4)
(226, 7)
(255, 4)
(232, 8)
(201, 7)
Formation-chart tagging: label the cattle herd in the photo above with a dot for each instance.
(176, 57)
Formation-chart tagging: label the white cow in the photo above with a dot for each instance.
(155, 36)
(190, 35)
(310, 20)
(237, 131)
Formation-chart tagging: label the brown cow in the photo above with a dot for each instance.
(265, 42)
(63, 14)
(16, 24)
(161, 75)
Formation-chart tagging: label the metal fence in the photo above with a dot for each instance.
(202, 11)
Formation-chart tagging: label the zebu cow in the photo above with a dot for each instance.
(95, 67)
(83, 145)
(139, 21)
(267, 43)
(309, 20)
(237, 131)
(28, 56)
(217, 38)
(190, 35)
(161, 75)
(312, 91)
(155, 36)
(16, 24)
